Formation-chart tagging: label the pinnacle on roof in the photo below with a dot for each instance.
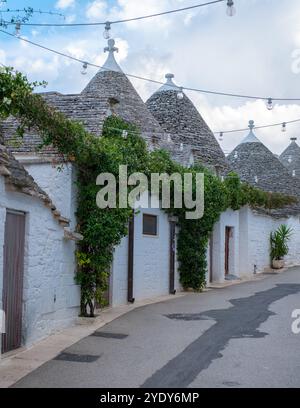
(251, 138)
(111, 63)
(169, 85)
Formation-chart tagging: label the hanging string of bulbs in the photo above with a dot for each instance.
(230, 11)
(180, 94)
(282, 124)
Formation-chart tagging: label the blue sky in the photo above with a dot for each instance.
(251, 53)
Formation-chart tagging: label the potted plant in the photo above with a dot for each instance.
(279, 247)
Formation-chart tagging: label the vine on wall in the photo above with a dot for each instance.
(104, 229)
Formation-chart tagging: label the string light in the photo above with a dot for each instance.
(231, 11)
(84, 68)
(124, 20)
(283, 129)
(107, 29)
(153, 81)
(18, 29)
(180, 94)
(270, 104)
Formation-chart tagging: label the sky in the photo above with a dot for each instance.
(256, 52)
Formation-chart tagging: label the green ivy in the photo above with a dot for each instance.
(104, 229)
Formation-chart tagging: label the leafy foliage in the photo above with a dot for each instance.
(279, 240)
(104, 229)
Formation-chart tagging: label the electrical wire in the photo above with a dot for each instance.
(205, 91)
(126, 20)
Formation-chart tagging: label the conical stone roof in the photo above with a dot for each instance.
(179, 117)
(109, 92)
(290, 158)
(112, 85)
(258, 166)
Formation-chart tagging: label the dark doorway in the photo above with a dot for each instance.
(228, 235)
(13, 273)
(172, 257)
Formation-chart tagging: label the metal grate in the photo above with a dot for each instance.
(77, 358)
(108, 335)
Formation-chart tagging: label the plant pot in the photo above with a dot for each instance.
(277, 263)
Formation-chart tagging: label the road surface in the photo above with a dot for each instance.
(239, 336)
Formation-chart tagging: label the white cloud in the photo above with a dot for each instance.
(96, 10)
(64, 4)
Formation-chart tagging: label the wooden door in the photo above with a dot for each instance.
(13, 274)
(130, 297)
(172, 257)
(227, 249)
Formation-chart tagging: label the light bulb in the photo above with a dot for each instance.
(84, 68)
(221, 136)
(231, 11)
(106, 33)
(283, 129)
(18, 29)
(270, 104)
(180, 95)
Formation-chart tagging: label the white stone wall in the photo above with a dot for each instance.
(259, 229)
(58, 183)
(50, 297)
(151, 262)
(229, 218)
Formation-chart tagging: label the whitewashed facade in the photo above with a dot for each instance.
(50, 296)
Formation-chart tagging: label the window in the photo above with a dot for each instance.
(149, 224)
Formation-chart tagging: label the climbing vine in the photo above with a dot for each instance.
(103, 229)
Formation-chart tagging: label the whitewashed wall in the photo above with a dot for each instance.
(58, 183)
(50, 298)
(259, 229)
(151, 262)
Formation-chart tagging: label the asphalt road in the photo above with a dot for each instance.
(238, 336)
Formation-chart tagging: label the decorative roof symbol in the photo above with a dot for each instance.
(111, 64)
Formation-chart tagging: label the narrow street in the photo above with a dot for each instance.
(238, 336)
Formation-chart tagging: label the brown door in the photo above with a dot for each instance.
(13, 280)
(130, 297)
(227, 240)
(172, 257)
(211, 252)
